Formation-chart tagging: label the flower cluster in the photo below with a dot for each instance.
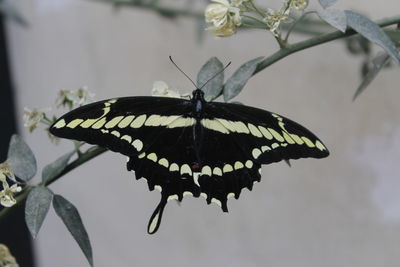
(7, 194)
(6, 259)
(72, 98)
(224, 17)
(33, 117)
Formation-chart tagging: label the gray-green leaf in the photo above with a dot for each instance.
(214, 87)
(372, 32)
(326, 3)
(336, 18)
(36, 208)
(72, 220)
(55, 168)
(238, 80)
(378, 63)
(21, 159)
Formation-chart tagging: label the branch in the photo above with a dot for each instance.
(90, 154)
(324, 38)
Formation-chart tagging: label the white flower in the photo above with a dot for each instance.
(83, 96)
(160, 88)
(32, 118)
(224, 17)
(71, 98)
(5, 172)
(7, 194)
(274, 19)
(6, 259)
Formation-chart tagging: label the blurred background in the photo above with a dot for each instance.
(340, 211)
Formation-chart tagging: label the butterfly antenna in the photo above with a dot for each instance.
(170, 58)
(215, 75)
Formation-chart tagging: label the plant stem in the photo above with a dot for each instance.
(324, 38)
(88, 155)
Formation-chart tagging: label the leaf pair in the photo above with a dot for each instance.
(37, 207)
(342, 19)
(233, 86)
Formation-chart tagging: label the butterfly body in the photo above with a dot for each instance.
(190, 147)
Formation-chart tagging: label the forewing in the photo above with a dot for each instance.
(264, 136)
(126, 125)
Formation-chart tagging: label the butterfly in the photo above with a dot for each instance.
(190, 146)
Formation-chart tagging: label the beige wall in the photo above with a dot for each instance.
(340, 211)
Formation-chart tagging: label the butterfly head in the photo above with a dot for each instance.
(198, 95)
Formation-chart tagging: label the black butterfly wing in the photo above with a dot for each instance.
(156, 134)
(237, 140)
(126, 125)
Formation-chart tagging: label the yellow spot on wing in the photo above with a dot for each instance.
(217, 171)
(168, 119)
(240, 127)
(238, 165)
(138, 122)
(126, 121)
(297, 139)
(152, 156)
(127, 138)
(174, 167)
(214, 125)
(256, 153)
(87, 123)
(153, 120)
(137, 144)
(308, 142)
(265, 132)
(74, 123)
(320, 146)
(227, 168)
(249, 164)
(60, 124)
(227, 124)
(288, 138)
(99, 123)
(113, 122)
(276, 135)
(274, 145)
(163, 162)
(181, 122)
(206, 170)
(254, 131)
(116, 133)
(186, 169)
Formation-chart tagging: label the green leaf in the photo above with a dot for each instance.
(336, 18)
(8, 9)
(36, 208)
(372, 32)
(72, 220)
(214, 87)
(378, 63)
(55, 168)
(326, 3)
(238, 80)
(21, 159)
